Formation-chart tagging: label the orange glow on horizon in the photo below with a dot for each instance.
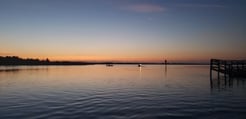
(176, 55)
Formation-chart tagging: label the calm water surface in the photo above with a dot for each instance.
(121, 91)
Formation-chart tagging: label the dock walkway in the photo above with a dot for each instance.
(231, 68)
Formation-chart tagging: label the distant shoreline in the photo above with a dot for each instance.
(16, 61)
(72, 64)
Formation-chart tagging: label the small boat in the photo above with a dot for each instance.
(109, 65)
(140, 65)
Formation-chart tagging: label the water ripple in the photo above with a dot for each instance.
(121, 94)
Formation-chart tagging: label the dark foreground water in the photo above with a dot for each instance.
(121, 91)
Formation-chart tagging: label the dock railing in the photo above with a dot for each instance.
(231, 68)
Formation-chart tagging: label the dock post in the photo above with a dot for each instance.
(211, 70)
(230, 70)
(225, 71)
(237, 69)
(218, 70)
(243, 65)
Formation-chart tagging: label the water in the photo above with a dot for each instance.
(121, 91)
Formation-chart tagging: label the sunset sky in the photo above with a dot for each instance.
(123, 30)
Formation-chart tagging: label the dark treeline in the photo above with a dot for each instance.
(15, 60)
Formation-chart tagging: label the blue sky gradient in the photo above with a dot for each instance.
(124, 30)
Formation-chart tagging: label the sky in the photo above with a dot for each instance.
(123, 30)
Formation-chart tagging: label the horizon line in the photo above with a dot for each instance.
(115, 61)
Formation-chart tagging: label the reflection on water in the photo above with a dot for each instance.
(223, 83)
(140, 72)
(165, 70)
(122, 91)
(21, 68)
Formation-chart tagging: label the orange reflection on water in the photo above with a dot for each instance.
(100, 77)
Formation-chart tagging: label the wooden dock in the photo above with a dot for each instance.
(230, 68)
